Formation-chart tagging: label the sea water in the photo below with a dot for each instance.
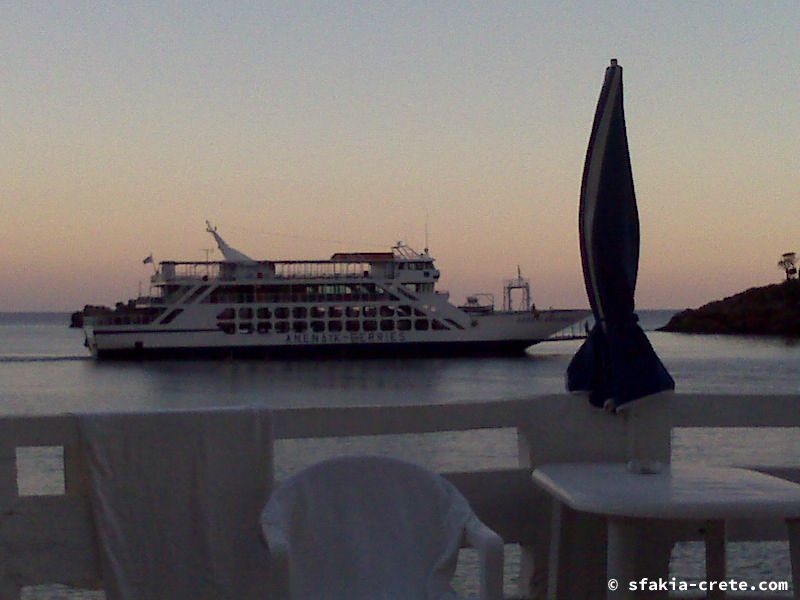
(45, 369)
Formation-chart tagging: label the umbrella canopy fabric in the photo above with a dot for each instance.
(617, 362)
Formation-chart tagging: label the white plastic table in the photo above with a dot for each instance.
(632, 501)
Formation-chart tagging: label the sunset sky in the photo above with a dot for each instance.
(304, 129)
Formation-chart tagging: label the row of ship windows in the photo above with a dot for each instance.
(249, 299)
(240, 294)
(416, 266)
(235, 295)
(319, 312)
(331, 326)
(248, 294)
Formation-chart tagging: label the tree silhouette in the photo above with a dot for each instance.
(788, 263)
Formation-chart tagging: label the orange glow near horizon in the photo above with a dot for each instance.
(301, 132)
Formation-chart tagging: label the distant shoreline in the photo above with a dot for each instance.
(19, 313)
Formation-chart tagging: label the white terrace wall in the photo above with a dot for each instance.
(50, 539)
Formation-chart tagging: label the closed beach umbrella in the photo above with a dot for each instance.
(616, 363)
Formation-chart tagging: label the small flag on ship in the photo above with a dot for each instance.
(148, 260)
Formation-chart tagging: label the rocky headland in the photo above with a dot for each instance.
(768, 310)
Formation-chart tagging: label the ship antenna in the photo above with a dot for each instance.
(426, 231)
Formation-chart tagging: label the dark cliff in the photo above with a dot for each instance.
(769, 310)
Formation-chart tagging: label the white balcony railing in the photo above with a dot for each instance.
(50, 538)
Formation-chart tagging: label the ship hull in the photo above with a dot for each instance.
(496, 335)
(331, 351)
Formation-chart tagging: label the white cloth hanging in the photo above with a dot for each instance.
(176, 497)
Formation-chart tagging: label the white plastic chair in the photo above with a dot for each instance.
(373, 528)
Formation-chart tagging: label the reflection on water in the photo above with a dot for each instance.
(67, 386)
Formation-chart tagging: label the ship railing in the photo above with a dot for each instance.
(326, 276)
(170, 272)
(47, 536)
(176, 273)
(557, 314)
(323, 270)
(124, 319)
(575, 331)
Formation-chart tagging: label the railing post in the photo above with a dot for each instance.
(9, 491)
(568, 429)
(649, 428)
(533, 560)
(75, 471)
(9, 588)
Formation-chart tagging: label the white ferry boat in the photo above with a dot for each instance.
(364, 303)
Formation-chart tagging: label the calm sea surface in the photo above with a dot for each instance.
(44, 369)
